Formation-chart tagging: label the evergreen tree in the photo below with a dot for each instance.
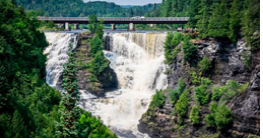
(95, 45)
(70, 113)
(93, 23)
(219, 21)
(194, 13)
(251, 25)
(235, 19)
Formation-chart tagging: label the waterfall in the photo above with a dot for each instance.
(138, 60)
(57, 55)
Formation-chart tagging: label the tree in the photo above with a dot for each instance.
(251, 25)
(235, 19)
(95, 45)
(205, 64)
(194, 115)
(182, 105)
(223, 117)
(93, 23)
(67, 126)
(189, 49)
(219, 21)
(194, 13)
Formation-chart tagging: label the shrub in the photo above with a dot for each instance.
(174, 94)
(194, 115)
(213, 106)
(218, 92)
(183, 104)
(181, 85)
(158, 99)
(196, 78)
(171, 51)
(189, 50)
(205, 64)
(201, 91)
(223, 117)
(210, 120)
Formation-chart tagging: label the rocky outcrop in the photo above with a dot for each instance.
(246, 107)
(228, 64)
(105, 81)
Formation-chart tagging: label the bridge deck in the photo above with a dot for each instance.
(120, 20)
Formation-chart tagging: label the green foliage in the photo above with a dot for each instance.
(218, 92)
(170, 46)
(174, 94)
(182, 105)
(219, 21)
(251, 26)
(28, 106)
(231, 89)
(205, 64)
(79, 8)
(195, 115)
(201, 93)
(91, 127)
(189, 49)
(213, 106)
(158, 99)
(95, 45)
(247, 61)
(210, 120)
(67, 126)
(98, 64)
(223, 117)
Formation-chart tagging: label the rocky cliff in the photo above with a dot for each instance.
(229, 62)
(103, 82)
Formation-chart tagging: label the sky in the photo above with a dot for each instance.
(129, 2)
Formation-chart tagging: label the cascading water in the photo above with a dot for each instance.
(138, 60)
(57, 55)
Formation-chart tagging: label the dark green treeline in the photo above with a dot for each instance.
(28, 106)
(223, 19)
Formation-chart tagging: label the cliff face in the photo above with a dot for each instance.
(105, 81)
(227, 64)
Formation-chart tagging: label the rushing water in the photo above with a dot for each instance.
(57, 55)
(137, 59)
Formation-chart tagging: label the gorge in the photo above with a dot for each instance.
(138, 61)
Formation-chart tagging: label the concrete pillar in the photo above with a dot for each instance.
(131, 27)
(76, 26)
(66, 26)
(113, 27)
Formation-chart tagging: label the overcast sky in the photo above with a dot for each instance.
(129, 2)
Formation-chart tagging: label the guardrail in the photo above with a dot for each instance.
(116, 18)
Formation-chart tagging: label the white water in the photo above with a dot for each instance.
(57, 55)
(137, 59)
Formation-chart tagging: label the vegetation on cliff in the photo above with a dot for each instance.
(28, 106)
(75, 122)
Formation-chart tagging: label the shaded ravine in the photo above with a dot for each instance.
(138, 61)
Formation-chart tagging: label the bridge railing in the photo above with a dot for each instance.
(116, 18)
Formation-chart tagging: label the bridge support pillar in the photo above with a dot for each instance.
(66, 26)
(113, 27)
(76, 26)
(131, 27)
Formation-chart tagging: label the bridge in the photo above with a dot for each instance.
(116, 20)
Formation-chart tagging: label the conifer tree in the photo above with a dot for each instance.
(235, 19)
(67, 126)
(219, 21)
